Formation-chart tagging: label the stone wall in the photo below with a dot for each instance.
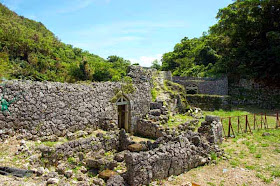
(213, 86)
(209, 102)
(167, 75)
(57, 108)
(107, 142)
(149, 129)
(177, 155)
(249, 92)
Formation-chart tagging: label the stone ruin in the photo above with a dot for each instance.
(77, 112)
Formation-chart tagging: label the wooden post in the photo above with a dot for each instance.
(277, 120)
(254, 121)
(261, 120)
(246, 123)
(265, 121)
(229, 123)
(238, 124)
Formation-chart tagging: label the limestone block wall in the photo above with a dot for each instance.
(149, 129)
(249, 92)
(179, 154)
(209, 102)
(57, 108)
(107, 142)
(213, 86)
(173, 158)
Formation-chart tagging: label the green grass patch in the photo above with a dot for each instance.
(226, 113)
(71, 160)
(276, 173)
(213, 156)
(252, 148)
(264, 178)
(234, 163)
(250, 167)
(178, 119)
(258, 156)
(265, 145)
(277, 150)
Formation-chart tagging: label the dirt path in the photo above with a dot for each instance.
(221, 174)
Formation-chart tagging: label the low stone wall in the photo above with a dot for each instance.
(177, 155)
(57, 108)
(209, 102)
(213, 86)
(149, 129)
(170, 159)
(107, 142)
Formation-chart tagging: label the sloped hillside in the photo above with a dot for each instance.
(28, 50)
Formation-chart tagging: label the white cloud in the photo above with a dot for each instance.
(146, 61)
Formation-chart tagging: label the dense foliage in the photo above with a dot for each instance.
(28, 50)
(244, 43)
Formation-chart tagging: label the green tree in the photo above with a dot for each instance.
(247, 36)
(156, 65)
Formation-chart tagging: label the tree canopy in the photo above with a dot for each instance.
(245, 42)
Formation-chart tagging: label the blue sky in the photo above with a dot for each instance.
(138, 30)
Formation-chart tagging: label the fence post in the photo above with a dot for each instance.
(261, 120)
(238, 124)
(246, 123)
(265, 121)
(254, 121)
(229, 123)
(277, 120)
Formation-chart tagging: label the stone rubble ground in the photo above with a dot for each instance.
(106, 155)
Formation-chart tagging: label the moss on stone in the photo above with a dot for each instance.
(135, 147)
(106, 174)
(178, 92)
(127, 87)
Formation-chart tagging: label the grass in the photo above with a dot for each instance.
(71, 160)
(213, 156)
(178, 119)
(276, 173)
(264, 178)
(255, 122)
(224, 113)
(258, 153)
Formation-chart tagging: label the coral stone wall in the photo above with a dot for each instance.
(209, 102)
(57, 108)
(249, 92)
(178, 155)
(213, 86)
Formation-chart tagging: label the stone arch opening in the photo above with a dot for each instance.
(123, 105)
(192, 89)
